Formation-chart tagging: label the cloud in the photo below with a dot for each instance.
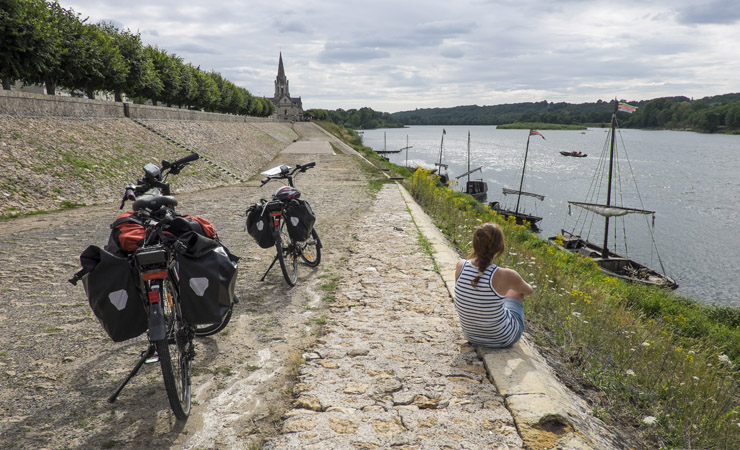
(722, 12)
(346, 52)
(291, 26)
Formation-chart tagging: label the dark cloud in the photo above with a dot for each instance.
(712, 12)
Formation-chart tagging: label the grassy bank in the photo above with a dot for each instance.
(539, 126)
(659, 365)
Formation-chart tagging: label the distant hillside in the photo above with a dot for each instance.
(709, 114)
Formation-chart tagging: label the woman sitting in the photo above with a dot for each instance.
(487, 317)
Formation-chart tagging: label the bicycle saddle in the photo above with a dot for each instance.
(154, 202)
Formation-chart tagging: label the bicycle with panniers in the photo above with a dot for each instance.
(162, 273)
(286, 222)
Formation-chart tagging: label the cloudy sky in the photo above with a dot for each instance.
(401, 55)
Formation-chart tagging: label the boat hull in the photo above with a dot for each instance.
(615, 265)
(478, 189)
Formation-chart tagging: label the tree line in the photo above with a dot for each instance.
(44, 43)
(356, 119)
(719, 113)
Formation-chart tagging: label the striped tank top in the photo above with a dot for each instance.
(483, 317)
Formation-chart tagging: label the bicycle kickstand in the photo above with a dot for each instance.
(149, 352)
(274, 260)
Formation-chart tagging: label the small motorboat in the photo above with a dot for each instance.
(575, 154)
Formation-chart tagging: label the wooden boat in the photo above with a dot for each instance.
(477, 188)
(519, 215)
(574, 154)
(609, 261)
(443, 177)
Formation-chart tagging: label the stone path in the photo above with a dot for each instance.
(393, 370)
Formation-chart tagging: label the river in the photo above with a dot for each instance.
(689, 179)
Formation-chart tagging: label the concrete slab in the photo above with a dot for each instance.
(315, 147)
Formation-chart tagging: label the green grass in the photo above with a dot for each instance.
(539, 126)
(651, 353)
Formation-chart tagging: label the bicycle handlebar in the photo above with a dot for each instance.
(288, 175)
(145, 184)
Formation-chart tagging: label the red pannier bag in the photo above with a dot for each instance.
(128, 231)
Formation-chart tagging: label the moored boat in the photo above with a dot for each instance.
(611, 262)
(518, 214)
(574, 154)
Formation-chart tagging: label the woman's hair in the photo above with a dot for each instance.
(488, 242)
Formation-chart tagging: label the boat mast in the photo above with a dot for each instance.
(521, 181)
(466, 185)
(440, 152)
(605, 252)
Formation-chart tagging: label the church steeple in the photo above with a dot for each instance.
(281, 82)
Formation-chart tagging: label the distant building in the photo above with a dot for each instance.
(286, 107)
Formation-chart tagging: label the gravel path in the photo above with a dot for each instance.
(57, 366)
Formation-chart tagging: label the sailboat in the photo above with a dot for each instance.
(477, 188)
(519, 215)
(608, 261)
(443, 177)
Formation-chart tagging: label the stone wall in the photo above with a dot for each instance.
(25, 104)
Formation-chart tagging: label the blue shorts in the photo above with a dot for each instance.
(516, 309)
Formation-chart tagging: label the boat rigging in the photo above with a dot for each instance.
(610, 262)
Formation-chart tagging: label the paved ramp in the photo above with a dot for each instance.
(321, 147)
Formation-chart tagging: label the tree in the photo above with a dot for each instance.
(22, 53)
(99, 65)
(208, 96)
(140, 70)
(168, 69)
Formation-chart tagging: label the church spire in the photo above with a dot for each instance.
(281, 81)
(281, 70)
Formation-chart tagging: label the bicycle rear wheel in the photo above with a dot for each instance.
(176, 353)
(311, 249)
(286, 252)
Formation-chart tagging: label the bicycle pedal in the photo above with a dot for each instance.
(152, 359)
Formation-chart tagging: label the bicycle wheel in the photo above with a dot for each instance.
(286, 252)
(208, 330)
(175, 353)
(311, 249)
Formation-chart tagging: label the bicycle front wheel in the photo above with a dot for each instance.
(176, 353)
(311, 249)
(286, 253)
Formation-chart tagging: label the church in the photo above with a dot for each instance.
(287, 108)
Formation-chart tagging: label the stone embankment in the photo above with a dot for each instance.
(389, 368)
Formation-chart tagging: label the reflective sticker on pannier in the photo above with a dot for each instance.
(199, 285)
(260, 225)
(119, 299)
(294, 221)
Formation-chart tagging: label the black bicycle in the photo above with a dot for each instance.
(181, 281)
(287, 223)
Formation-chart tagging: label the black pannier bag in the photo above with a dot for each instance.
(300, 219)
(207, 272)
(113, 291)
(259, 223)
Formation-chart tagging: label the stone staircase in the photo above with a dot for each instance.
(184, 147)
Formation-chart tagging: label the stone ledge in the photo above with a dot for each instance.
(547, 413)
